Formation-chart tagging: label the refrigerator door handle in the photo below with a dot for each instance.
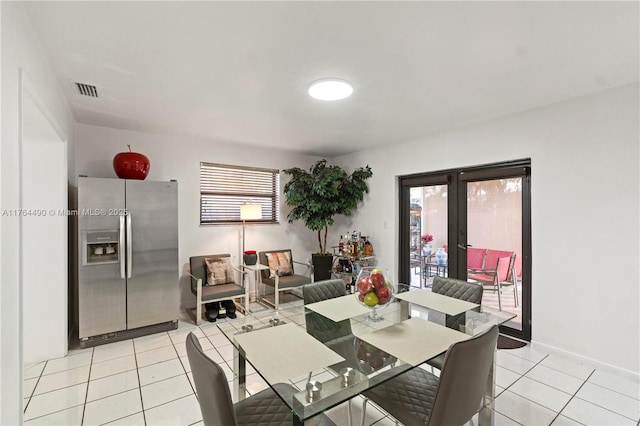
(121, 243)
(129, 248)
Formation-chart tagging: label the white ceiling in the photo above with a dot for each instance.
(239, 71)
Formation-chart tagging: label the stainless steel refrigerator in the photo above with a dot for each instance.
(128, 259)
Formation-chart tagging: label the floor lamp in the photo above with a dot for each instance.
(249, 212)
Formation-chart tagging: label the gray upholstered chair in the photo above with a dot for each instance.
(458, 289)
(214, 396)
(323, 290)
(320, 327)
(282, 275)
(214, 293)
(418, 397)
(335, 335)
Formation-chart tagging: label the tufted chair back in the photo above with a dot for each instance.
(323, 290)
(324, 329)
(458, 289)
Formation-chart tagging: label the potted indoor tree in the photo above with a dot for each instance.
(317, 196)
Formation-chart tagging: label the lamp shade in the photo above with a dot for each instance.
(250, 211)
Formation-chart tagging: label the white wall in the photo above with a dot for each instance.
(585, 202)
(20, 49)
(44, 238)
(179, 157)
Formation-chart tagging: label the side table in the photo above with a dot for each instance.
(257, 277)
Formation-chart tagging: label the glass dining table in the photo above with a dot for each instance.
(331, 351)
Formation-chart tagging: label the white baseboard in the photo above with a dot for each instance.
(581, 359)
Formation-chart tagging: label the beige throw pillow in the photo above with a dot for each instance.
(219, 270)
(285, 263)
(272, 260)
(281, 262)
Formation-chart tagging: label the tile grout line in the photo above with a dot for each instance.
(135, 358)
(53, 412)
(86, 393)
(54, 390)
(515, 381)
(521, 374)
(558, 371)
(600, 406)
(24, 410)
(536, 403)
(615, 391)
(574, 395)
(155, 363)
(517, 422)
(571, 399)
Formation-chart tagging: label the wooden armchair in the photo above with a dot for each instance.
(230, 283)
(281, 274)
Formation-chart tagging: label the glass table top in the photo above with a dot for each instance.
(330, 362)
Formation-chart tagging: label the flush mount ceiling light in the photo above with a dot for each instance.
(330, 89)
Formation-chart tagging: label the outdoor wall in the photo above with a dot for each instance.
(494, 219)
(20, 50)
(585, 199)
(179, 157)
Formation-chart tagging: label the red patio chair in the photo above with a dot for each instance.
(492, 259)
(475, 259)
(497, 277)
(515, 274)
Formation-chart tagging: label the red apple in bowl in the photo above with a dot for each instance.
(364, 285)
(131, 165)
(377, 280)
(384, 295)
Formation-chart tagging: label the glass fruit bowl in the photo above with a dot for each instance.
(375, 290)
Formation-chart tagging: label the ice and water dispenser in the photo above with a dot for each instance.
(100, 247)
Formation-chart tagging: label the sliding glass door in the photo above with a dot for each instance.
(474, 224)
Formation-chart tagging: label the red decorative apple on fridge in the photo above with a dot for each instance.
(131, 165)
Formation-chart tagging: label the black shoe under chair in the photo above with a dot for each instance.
(224, 309)
(231, 308)
(212, 311)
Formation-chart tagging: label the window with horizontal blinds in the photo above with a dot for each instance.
(224, 188)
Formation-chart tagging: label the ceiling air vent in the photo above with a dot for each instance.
(87, 89)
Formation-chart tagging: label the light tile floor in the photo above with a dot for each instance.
(148, 381)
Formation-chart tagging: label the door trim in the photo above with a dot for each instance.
(456, 180)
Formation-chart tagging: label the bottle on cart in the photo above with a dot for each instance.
(368, 248)
(341, 246)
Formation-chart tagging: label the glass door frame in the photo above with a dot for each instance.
(456, 181)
